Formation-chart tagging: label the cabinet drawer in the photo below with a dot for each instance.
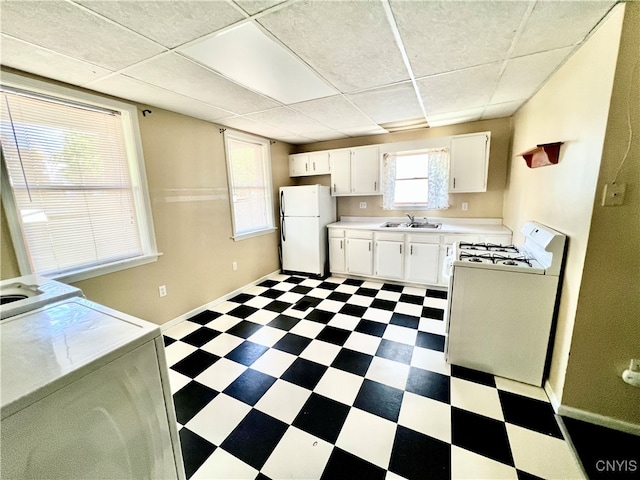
(365, 234)
(336, 233)
(392, 236)
(423, 238)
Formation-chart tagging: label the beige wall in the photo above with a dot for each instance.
(573, 108)
(607, 322)
(186, 173)
(483, 205)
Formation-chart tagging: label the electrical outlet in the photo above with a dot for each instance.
(634, 365)
(162, 290)
(363, 204)
(465, 206)
(234, 266)
(613, 194)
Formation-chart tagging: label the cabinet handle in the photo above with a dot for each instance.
(340, 244)
(314, 166)
(454, 182)
(400, 249)
(306, 167)
(375, 186)
(369, 246)
(334, 188)
(411, 253)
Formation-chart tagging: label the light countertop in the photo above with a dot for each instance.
(482, 226)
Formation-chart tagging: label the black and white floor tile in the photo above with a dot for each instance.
(340, 378)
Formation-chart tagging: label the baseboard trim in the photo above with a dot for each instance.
(597, 419)
(555, 402)
(173, 322)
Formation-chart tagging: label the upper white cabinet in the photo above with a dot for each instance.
(355, 171)
(314, 163)
(469, 162)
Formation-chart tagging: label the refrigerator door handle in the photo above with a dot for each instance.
(281, 203)
(283, 229)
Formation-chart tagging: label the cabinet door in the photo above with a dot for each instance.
(365, 177)
(360, 256)
(469, 163)
(299, 165)
(340, 172)
(423, 263)
(389, 259)
(319, 163)
(336, 255)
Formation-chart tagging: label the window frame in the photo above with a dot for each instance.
(265, 144)
(137, 172)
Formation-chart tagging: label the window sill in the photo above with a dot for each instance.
(244, 236)
(78, 275)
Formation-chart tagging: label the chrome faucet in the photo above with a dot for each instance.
(411, 217)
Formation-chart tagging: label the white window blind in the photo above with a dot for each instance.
(76, 192)
(249, 169)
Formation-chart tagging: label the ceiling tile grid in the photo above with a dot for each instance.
(470, 60)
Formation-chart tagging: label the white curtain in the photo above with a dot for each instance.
(438, 180)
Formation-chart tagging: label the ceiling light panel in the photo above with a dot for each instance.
(348, 43)
(389, 104)
(169, 23)
(455, 91)
(248, 56)
(335, 111)
(524, 75)
(554, 25)
(141, 92)
(180, 75)
(68, 29)
(33, 59)
(444, 36)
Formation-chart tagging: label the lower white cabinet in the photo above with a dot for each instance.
(337, 258)
(423, 263)
(389, 257)
(360, 256)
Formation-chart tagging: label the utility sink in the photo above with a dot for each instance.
(428, 226)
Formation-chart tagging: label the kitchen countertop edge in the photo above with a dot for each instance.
(449, 225)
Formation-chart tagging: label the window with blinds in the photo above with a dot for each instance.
(79, 205)
(249, 172)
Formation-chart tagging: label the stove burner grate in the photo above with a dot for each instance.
(496, 259)
(489, 247)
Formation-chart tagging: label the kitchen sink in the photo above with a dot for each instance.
(430, 226)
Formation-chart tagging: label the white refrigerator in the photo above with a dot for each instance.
(305, 212)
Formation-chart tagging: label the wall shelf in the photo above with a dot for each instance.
(543, 155)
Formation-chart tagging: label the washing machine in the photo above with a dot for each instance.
(29, 292)
(85, 394)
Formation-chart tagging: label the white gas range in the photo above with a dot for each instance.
(502, 302)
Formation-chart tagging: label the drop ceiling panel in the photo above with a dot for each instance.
(559, 24)
(252, 126)
(289, 120)
(141, 92)
(68, 29)
(169, 23)
(180, 75)
(501, 110)
(253, 7)
(335, 111)
(363, 130)
(468, 115)
(524, 75)
(389, 104)
(33, 59)
(461, 90)
(251, 58)
(445, 36)
(349, 43)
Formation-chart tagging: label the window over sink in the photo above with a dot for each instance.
(416, 180)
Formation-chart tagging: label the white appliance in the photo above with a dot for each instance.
(502, 301)
(22, 294)
(305, 212)
(85, 394)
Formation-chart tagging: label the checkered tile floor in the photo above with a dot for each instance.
(306, 379)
